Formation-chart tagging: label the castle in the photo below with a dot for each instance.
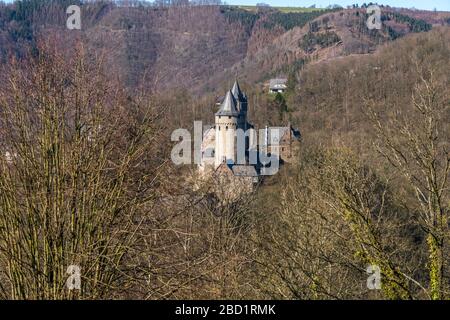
(231, 145)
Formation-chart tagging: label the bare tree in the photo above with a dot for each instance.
(415, 142)
(335, 218)
(75, 179)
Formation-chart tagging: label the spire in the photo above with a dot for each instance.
(236, 91)
(228, 107)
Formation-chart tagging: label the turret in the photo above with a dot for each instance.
(226, 125)
(241, 105)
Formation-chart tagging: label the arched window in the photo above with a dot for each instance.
(226, 128)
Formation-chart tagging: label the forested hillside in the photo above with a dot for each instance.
(370, 183)
(198, 48)
(86, 176)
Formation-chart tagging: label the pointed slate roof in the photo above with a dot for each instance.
(276, 134)
(228, 107)
(236, 91)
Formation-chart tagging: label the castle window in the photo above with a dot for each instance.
(226, 128)
(229, 117)
(219, 128)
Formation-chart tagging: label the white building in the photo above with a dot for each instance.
(278, 85)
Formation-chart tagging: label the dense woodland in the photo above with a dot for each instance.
(86, 177)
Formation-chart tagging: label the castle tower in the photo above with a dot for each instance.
(226, 125)
(241, 105)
